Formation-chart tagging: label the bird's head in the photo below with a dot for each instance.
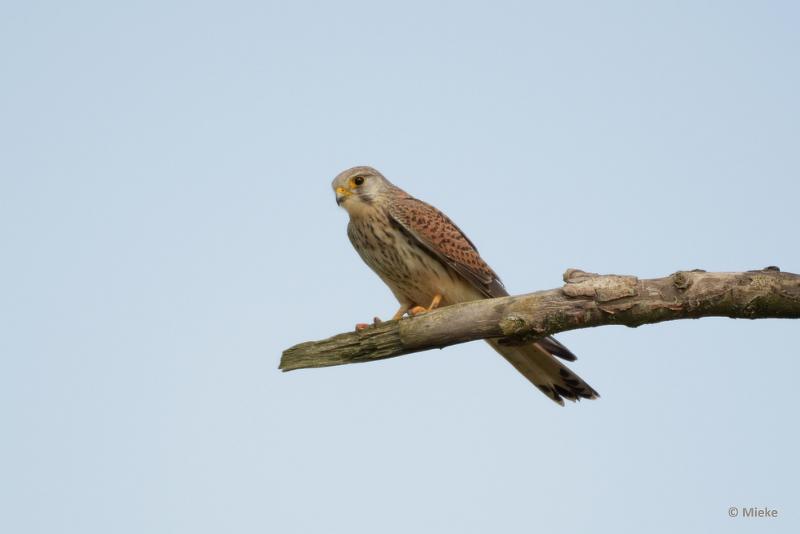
(357, 189)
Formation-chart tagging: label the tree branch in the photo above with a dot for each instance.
(586, 300)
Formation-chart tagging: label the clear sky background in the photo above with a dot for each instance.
(167, 228)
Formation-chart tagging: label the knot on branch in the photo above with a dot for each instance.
(682, 280)
(519, 330)
(601, 288)
(512, 325)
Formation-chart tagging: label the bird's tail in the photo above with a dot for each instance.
(538, 364)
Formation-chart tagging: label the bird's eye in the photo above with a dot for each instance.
(358, 180)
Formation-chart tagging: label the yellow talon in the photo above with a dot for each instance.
(361, 326)
(416, 310)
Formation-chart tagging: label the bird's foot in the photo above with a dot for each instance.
(362, 326)
(416, 310)
(412, 311)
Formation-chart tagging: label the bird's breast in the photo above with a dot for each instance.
(410, 270)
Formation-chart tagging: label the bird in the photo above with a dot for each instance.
(428, 262)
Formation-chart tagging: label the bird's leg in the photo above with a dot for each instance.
(376, 321)
(416, 310)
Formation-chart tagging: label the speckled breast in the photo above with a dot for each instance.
(412, 273)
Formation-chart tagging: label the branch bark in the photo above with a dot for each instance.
(586, 300)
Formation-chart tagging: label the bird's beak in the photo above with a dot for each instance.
(341, 195)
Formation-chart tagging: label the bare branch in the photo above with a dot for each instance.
(586, 300)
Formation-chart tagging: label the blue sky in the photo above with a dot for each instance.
(168, 228)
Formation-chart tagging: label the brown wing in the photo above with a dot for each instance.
(436, 232)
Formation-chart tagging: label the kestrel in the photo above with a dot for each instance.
(428, 262)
